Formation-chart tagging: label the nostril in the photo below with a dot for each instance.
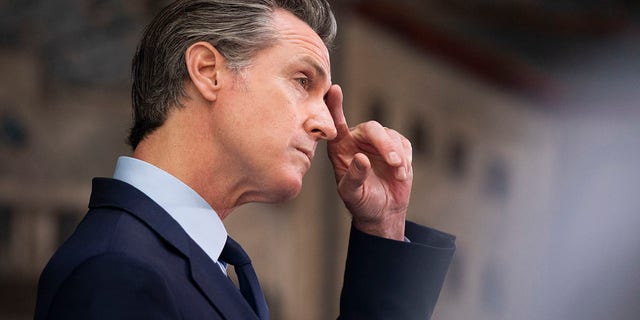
(319, 132)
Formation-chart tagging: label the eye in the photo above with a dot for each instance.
(304, 82)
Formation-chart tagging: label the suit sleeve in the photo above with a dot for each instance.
(113, 286)
(387, 279)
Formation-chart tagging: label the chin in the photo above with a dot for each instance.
(287, 189)
(281, 185)
(292, 190)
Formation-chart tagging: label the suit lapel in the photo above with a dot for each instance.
(206, 274)
(217, 287)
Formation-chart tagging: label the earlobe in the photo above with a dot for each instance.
(203, 64)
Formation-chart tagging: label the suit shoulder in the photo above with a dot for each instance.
(115, 286)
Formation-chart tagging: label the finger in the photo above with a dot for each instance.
(408, 150)
(402, 171)
(334, 103)
(374, 134)
(351, 184)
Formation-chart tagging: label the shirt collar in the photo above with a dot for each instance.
(183, 204)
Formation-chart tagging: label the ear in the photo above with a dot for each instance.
(204, 63)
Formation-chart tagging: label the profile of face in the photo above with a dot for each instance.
(276, 113)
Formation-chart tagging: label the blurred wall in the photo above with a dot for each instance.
(64, 112)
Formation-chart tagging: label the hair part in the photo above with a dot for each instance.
(239, 29)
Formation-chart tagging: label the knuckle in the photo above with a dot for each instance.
(392, 131)
(407, 143)
(372, 125)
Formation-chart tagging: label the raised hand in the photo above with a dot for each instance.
(372, 166)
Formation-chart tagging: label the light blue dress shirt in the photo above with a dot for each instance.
(183, 204)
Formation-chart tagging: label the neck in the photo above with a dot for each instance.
(184, 148)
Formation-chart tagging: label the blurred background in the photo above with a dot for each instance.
(524, 118)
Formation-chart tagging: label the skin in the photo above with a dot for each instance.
(250, 136)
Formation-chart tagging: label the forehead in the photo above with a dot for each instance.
(300, 37)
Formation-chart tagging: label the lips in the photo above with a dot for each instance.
(309, 153)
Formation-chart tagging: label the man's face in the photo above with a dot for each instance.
(275, 112)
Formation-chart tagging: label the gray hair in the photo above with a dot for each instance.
(237, 28)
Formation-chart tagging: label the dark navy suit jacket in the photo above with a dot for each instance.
(128, 259)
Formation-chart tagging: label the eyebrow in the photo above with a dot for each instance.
(319, 70)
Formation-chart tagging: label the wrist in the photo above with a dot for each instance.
(390, 227)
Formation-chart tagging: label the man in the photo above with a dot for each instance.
(230, 100)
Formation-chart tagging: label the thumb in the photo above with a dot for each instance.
(351, 184)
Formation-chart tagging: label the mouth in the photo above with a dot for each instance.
(307, 152)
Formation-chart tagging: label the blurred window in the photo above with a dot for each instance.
(421, 138)
(5, 224)
(378, 111)
(497, 179)
(457, 157)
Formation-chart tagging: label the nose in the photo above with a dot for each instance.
(320, 124)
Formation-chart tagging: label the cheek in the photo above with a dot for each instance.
(282, 121)
(272, 115)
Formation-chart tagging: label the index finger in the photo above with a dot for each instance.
(334, 103)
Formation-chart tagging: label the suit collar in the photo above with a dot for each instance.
(220, 292)
(114, 193)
